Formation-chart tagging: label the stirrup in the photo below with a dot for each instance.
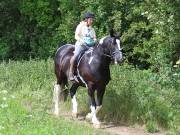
(73, 79)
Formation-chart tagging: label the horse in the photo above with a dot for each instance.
(92, 70)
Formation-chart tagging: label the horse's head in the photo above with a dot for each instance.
(111, 46)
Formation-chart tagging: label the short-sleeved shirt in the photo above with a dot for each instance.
(85, 34)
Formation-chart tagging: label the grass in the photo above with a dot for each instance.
(132, 96)
(17, 120)
(26, 99)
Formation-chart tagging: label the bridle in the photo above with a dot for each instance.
(112, 53)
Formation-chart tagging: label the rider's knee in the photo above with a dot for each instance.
(73, 59)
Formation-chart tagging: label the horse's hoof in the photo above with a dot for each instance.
(74, 115)
(97, 125)
(56, 114)
(88, 116)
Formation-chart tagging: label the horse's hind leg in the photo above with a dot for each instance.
(58, 93)
(73, 97)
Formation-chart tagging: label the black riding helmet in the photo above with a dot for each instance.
(88, 15)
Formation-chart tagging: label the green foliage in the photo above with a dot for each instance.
(28, 28)
(149, 29)
(152, 127)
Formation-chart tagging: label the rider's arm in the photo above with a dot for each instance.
(78, 36)
(93, 35)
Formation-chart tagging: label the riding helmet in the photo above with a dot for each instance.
(88, 15)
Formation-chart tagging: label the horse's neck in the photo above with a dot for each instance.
(103, 57)
(104, 62)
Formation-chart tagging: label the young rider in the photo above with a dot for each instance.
(85, 37)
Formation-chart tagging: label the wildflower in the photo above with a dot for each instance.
(4, 98)
(4, 92)
(29, 116)
(160, 23)
(146, 12)
(149, 16)
(13, 97)
(175, 74)
(142, 13)
(170, 18)
(4, 105)
(1, 127)
(178, 62)
(156, 31)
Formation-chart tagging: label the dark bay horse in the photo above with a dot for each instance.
(93, 72)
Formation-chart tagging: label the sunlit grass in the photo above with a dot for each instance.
(132, 96)
(26, 100)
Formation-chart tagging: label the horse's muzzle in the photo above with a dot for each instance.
(118, 58)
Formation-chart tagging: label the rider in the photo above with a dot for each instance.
(86, 37)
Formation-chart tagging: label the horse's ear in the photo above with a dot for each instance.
(111, 31)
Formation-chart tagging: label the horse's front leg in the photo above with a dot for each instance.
(92, 115)
(100, 94)
(73, 90)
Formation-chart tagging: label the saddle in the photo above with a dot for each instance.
(78, 60)
(90, 50)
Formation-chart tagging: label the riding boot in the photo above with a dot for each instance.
(71, 69)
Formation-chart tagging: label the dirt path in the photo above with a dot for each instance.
(125, 130)
(111, 128)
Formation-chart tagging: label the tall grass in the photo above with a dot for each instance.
(144, 97)
(26, 99)
(132, 96)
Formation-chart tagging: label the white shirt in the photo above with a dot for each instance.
(82, 31)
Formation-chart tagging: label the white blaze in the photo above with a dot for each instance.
(118, 43)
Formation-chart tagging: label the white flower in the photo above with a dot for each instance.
(4, 98)
(4, 92)
(142, 13)
(13, 97)
(149, 16)
(160, 22)
(29, 116)
(4, 105)
(156, 31)
(175, 74)
(146, 12)
(1, 127)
